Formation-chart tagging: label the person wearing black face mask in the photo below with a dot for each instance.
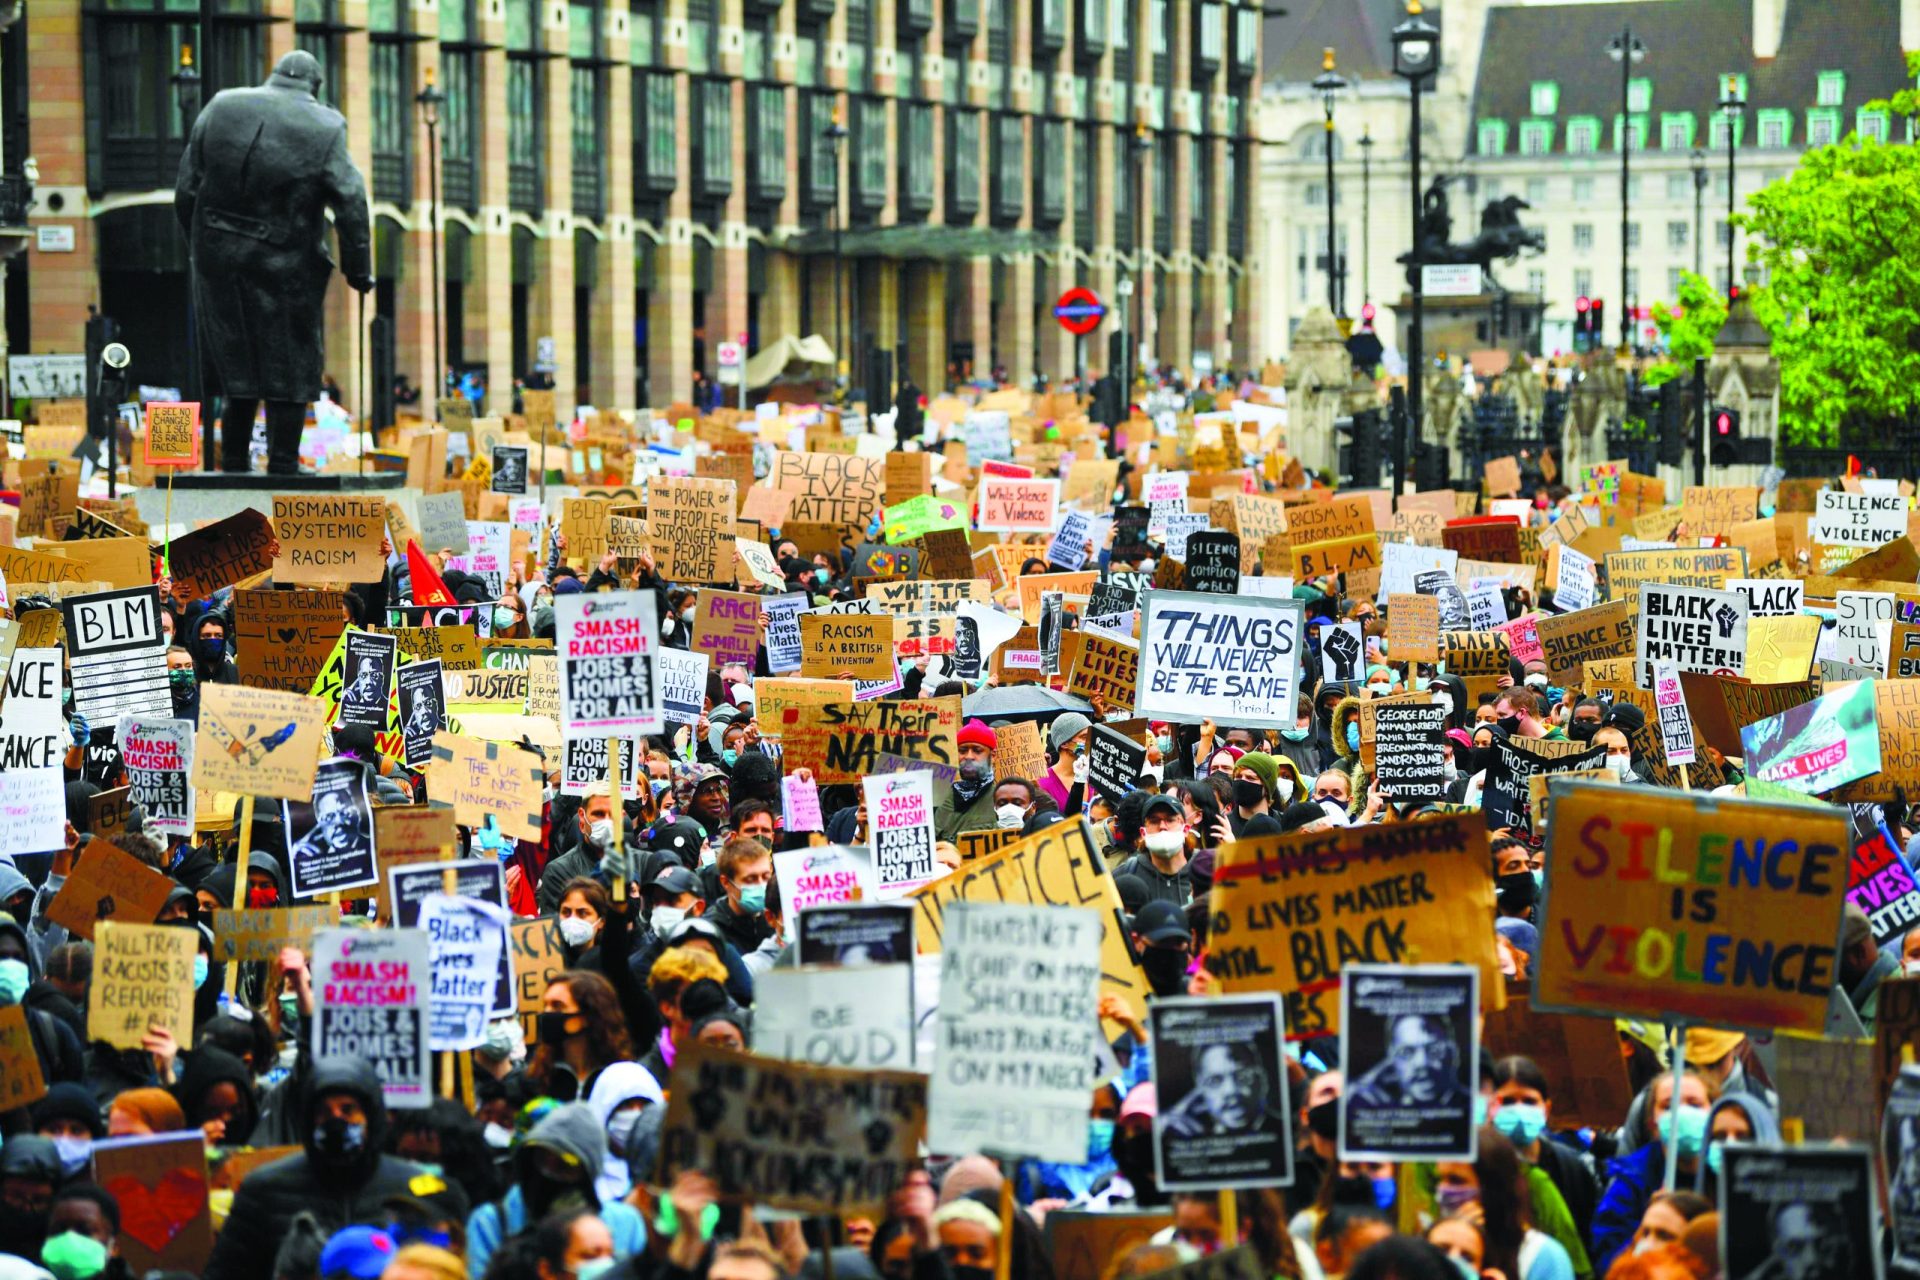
(1585, 720)
(211, 662)
(340, 1177)
(1319, 1123)
(29, 1173)
(1161, 940)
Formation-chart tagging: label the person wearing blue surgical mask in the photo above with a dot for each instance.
(573, 1246)
(1050, 1179)
(1492, 1192)
(1521, 1108)
(746, 869)
(1632, 1178)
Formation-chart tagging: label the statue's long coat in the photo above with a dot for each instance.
(260, 172)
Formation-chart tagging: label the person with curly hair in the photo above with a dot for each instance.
(581, 1033)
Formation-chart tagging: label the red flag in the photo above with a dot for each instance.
(428, 588)
(1853, 465)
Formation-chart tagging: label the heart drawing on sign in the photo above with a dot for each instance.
(289, 634)
(155, 1215)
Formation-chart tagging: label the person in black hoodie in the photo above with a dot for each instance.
(216, 1092)
(341, 1177)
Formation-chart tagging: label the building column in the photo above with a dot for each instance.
(613, 376)
(62, 286)
(1210, 329)
(926, 284)
(490, 287)
(670, 301)
(1056, 345)
(1176, 310)
(552, 308)
(977, 307)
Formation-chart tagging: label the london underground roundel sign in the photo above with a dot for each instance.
(1079, 311)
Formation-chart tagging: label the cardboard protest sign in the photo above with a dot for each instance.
(159, 1182)
(1011, 504)
(1570, 640)
(330, 838)
(1720, 708)
(867, 1126)
(142, 977)
(691, 521)
(158, 755)
(488, 778)
(1826, 1087)
(1413, 630)
(21, 1081)
(1221, 1066)
(855, 646)
(330, 537)
(1799, 1211)
(1580, 1054)
(225, 552)
(1083, 1242)
(1012, 1074)
(1333, 537)
(1409, 740)
(370, 1002)
(1708, 568)
(726, 627)
(1495, 539)
(1234, 660)
(1060, 865)
(1114, 762)
(1409, 1044)
(1506, 796)
(283, 638)
(1289, 911)
(836, 489)
(900, 831)
(1691, 908)
(860, 1017)
(258, 933)
(260, 741)
(606, 644)
(108, 884)
(467, 940)
(1711, 511)
(1863, 520)
(1858, 631)
(1690, 629)
(117, 654)
(1479, 658)
(1818, 745)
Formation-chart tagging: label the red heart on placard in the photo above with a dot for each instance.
(155, 1215)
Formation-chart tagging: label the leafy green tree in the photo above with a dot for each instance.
(1839, 243)
(1689, 327)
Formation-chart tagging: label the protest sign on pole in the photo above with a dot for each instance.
(423, 709)
(158, 756)
(1289, 911)
(468, 939)
(836, 1017)
(682, 695)
(1690, 629)
(1880, 883)
(822, 875)
(606, 643)
(1230, 659)
(584, 770)
(783, 631)
(1691, 908)
(479, 880)
(1800, 1211)
(1410, 1048)
(1114, 762)
(1506, 797)
(900, 831)
(370, 1002)
(330, 836)
(1676, 726)
(117, 654)
(107, 883)
(1408, 744)
(262, 742)
(1017, 1031)
(1220, 1064)
(366, 686)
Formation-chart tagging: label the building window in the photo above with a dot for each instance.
(963, 164)
(318, 30)
(1677, 233)
(1583, 235)
(1633, 282)
(1490, 138)
(1543, 98)
(1676, 131)
(1583, 283)
(526, 189)
(1722, 233)
(1583, 136)
(1536, 137)
(1536, 283)
(1738, 79)
(1677, 185)
(859, 33)
(1213, 36)
(1717, 130)
(869, 153)
(1536, 191)
(1126, 180)
(822, 175)
(1636, 135)
(1871, 124)
(1639, 94)
(391, 105)
(1009, 168)
(1776, 129)
(1673, 282)
(1823, 127)
(916, 159)
(589, 141)
(700, 41)
(1633, 235)
(656, 135)
(1496, 190)
(1085, 178)
(1050, 173)
(1830, 88)
(1582, 190)
(459, 169)
(767, 176)
(712, 154)
(1314, 196)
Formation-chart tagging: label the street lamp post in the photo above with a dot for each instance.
(1366, 215)
(1627, 50)
(430, 100)
(1731, 105)
(1699, 162)
(1136, 199)
(1416, 58)
(186, 96)
(836, 136)
(1327, 84)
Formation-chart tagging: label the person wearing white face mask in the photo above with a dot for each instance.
(583, 908)
(1163, 864)
(1066, 779)
(1910, 952)
(1012, 803)
(1619, 754)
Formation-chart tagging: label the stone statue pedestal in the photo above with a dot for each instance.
(259, 482)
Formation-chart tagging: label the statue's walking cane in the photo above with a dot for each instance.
(366, 401)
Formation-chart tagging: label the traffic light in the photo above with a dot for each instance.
(1672, 424)
(1723, 432)
(1597, 326)
(1582, 335)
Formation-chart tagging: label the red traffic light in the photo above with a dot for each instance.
(1581, 303)
(1367, 312)
(1723, 423)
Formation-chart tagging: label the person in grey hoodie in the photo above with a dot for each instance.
(555, 1168)
(1736, 1117)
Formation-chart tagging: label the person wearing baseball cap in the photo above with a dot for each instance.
(968, 805)
(1162, 863)
(1164, 945)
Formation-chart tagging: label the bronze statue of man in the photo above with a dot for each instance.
(260, 172)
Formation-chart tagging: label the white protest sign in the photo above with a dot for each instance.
(33, 734)
(821, 876)
(1486, 607)
(1229, 659)
(783, 631)
(1864, 520)
(834, 1017)
(1676, 725)
(158, 755)
(800, 803)
(1018, 1031)
(1165, 493)
(117, 654)
(1691, 629)
(1401, 562)
(900, 827)
(489, 554)
(1068, 550)
(466, 937)
(606, 645)
(584, 768)
(1856, 634)
(1577, 582)
(1280, 588)
(1180, 526)
(1771, 597)
(682, 685)
(33, 810)
(370, 1002)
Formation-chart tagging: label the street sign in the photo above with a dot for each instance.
(1079, 311)
(730, 358)
(1451, 280)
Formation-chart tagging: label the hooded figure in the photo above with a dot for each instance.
(217, 1086)
(1766, 1133)
(59, 1048)
(619, 1085)
(341, 1177)
(28, 1159)
(558, 1165)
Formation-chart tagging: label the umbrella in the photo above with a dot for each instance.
(1024, 702)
